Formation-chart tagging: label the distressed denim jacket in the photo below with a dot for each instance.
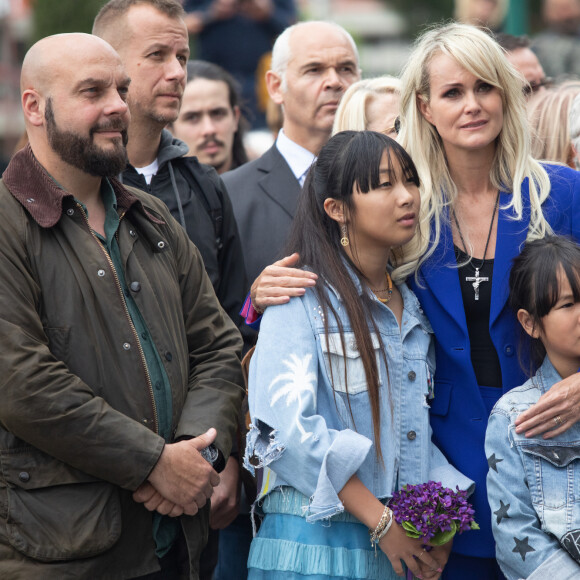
(302, 432)
(533, 487)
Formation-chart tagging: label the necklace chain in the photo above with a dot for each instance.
(388, 289)
(477, 268)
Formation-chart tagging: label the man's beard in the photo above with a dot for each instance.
(81, 152)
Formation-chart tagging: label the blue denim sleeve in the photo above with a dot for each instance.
(288, 434)
(521, 545)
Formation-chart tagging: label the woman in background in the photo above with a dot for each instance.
(548, 113)
(370, 104)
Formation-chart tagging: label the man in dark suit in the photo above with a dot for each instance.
(313, 63)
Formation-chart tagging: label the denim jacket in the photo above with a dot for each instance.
(533, 487)
(302, 432)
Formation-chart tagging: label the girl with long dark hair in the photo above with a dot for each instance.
(340, 381)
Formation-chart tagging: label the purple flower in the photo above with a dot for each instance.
(432, 512)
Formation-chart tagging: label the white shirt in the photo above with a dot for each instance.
(148, 171)
(298, 158)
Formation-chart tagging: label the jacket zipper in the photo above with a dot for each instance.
(129, 320)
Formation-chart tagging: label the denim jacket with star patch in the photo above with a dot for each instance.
(533, 487)
(302, 432)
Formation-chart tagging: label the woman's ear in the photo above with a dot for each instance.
(527, 322)
(424, 108)
(335, 210)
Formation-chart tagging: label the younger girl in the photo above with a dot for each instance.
(533, 483)
(341, 378)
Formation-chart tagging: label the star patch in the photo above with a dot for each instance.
(492, 462)
(523, 547)
(502, 512)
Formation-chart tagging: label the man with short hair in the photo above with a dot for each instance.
(210, 121)
(519, 53)
(120, 380)
(313, 63)
(152, 40)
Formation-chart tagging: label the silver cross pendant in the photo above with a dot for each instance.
(477, 279)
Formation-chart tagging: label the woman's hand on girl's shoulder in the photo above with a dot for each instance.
(398, 546)
(555, 412)
(278, 282)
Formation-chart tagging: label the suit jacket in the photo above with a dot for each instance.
(458, 412)
(264, 196)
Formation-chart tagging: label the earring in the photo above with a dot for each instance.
(344, 240)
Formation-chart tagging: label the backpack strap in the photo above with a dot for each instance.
(211, 196)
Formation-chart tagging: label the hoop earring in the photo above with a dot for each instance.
(344, 231)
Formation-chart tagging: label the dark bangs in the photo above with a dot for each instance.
(534, 277)
(360, 161)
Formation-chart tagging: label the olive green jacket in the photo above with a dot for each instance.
(77, 415)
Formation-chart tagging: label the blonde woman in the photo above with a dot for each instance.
(548, 113)
(370, 104)
(463, 123)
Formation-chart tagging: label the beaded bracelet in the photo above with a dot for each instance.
(382, 527)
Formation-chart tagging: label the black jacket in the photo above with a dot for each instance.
(199, 189)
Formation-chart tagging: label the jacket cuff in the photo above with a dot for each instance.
(342, 460)
(249, 313)
(451, 478)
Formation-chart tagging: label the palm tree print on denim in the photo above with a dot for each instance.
(297, 381)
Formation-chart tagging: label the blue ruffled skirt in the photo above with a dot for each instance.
(288, 548)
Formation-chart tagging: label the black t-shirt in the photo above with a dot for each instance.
(483, 354)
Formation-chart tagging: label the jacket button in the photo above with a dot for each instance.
(24, 476)
(70, 211)
(161, 245)
(508, 350)
(135, 286)
(126, 346)
(168, 356)
(412, 375)
(411, 435)
(132, 233)
(100, 273)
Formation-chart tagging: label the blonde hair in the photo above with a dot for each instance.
(479, 54)
(351, 113)
(548, 115)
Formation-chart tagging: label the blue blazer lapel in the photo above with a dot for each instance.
(278, 181)
(441, 276)
(511, 235)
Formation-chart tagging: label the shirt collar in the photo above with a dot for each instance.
(298, 158)
(30, 183)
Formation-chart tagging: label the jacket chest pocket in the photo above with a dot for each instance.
(553, 473)
(341, 360)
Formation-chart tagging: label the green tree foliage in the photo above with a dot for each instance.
(56, 16)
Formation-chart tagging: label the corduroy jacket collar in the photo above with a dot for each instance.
(43, 198)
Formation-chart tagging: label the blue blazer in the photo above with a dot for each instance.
(458, 412)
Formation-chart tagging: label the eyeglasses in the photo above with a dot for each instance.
(534, 87)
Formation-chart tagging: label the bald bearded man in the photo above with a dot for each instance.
(119, 378)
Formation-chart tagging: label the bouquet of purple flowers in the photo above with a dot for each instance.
(432, 512)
